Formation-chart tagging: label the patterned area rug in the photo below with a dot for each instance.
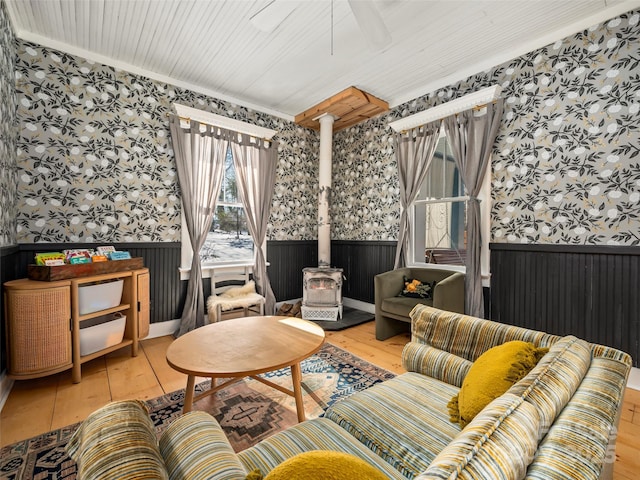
(249, 411)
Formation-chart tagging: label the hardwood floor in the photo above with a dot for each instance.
(37, 406)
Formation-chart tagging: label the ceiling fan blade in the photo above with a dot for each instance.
(370, 23)
(269, 17)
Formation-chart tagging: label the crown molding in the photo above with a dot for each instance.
(609, 12)
(94, 57)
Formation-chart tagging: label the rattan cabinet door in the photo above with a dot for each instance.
(38, 329)
(143, 303)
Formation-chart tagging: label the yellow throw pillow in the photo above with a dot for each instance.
(324, 465)
(491, 375)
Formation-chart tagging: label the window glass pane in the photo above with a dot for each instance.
(440, 227)
(229, 189)
(445, 233)
(443, 179)
(228, 239)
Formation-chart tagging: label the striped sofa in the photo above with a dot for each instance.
(558, 422)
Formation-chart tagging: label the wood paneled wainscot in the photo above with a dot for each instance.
(44, 321)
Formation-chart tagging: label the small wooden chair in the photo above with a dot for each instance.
(233, 300)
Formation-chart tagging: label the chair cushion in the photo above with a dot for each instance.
(403, 420)
(117, 441)
(402, 305)
(491, 375)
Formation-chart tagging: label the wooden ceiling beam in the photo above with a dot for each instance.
(351, 106)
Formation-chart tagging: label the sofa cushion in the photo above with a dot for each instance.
(578, 441)
(403, 420)
(403, 305)
(195, 446)
(117, 441)
(491, 375)
(430, 361)
(551, 384)
(499, 443)
(325, 465)
(316, 434)
(465, 336)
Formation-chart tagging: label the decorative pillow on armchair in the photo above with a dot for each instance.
(414, 288)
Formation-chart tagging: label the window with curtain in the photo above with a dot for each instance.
(439, 211)
(228, 240)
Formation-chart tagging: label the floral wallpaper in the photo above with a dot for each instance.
(566, 162)
(8, 169)
(95, 162)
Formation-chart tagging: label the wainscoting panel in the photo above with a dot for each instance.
(587, 291)
(162, 259)
(286, 261)
(361, 262)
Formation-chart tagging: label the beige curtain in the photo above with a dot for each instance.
(414, 152)
(471, 135)
(200, 153)
(255, 161)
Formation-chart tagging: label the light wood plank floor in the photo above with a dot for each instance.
(37, 406)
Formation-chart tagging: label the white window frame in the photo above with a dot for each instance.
(484, 196)
(186, 252)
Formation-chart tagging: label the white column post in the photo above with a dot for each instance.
(324, 196)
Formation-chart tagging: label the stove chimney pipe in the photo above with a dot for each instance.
(324, 196)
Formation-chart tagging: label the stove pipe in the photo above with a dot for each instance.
(324, 196)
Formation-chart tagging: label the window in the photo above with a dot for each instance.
(228, 240)
(440, 211)
(229, 246)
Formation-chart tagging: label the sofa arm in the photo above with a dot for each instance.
(117, 441)
(435, 363)
(448, 293)
(194, 447)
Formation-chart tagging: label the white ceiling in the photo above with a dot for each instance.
(211, 46)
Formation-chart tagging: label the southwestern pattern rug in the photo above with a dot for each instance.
(248, 411)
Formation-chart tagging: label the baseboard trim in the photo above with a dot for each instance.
(634, 379)
(162, 329)
(359, 305)
(6, 384)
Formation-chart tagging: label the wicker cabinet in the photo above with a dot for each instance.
(44, 321)
(38, 327)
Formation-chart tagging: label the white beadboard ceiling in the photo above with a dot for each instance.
(211, 46)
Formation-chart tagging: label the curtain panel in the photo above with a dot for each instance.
(472, 134)
(255, 161)
(414, 152)
(200, 152)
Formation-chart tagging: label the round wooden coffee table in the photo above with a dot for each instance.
(245, 347)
